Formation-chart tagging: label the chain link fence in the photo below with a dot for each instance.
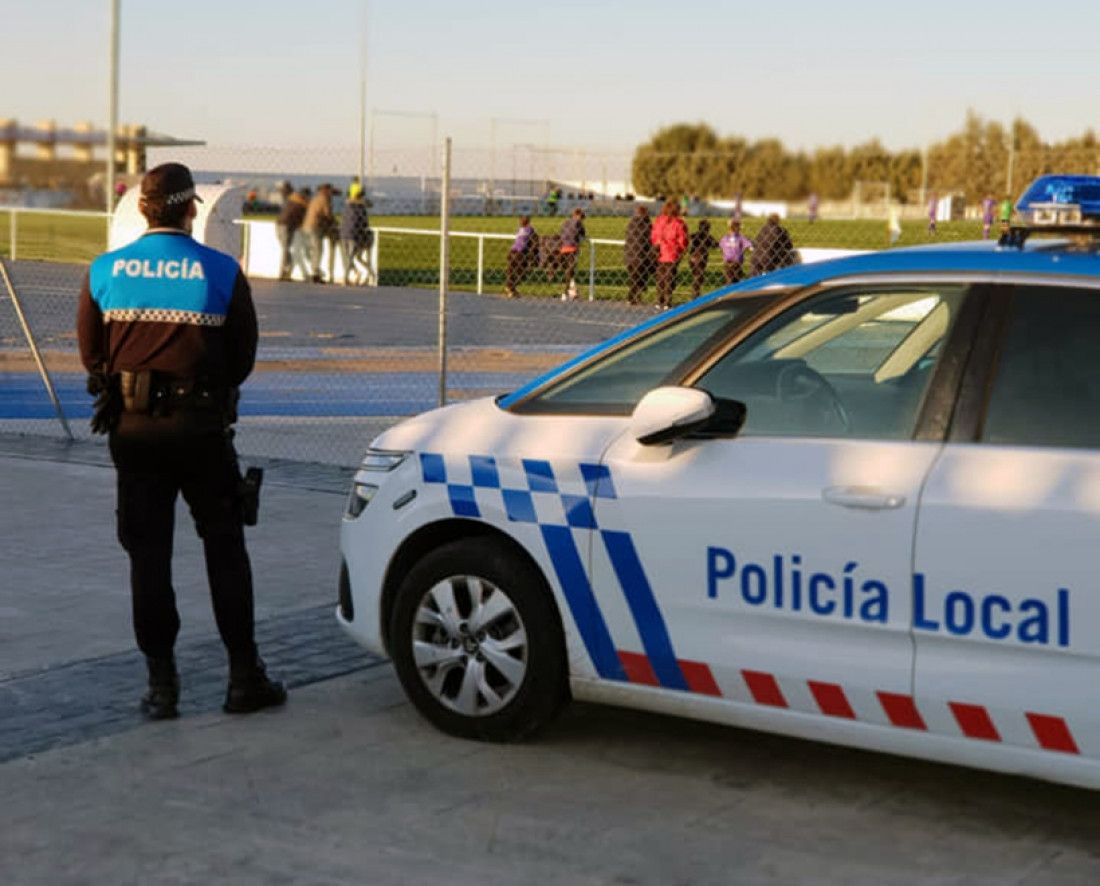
(550, 252)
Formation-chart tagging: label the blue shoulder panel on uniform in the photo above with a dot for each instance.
(164, 278)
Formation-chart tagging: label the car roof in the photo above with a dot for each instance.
(1050, 257)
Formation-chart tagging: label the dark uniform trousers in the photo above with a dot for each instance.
(158, 457)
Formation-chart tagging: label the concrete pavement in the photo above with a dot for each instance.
(347, 785)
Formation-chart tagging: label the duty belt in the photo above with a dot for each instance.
(151, 393)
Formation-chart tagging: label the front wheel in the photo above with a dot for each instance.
(477, 642)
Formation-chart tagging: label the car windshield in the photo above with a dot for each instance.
(613, 384)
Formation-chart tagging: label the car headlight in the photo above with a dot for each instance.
(359, 498)
(382, 460)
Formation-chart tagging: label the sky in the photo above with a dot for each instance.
(605, 74)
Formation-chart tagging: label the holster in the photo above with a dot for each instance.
(136, 388)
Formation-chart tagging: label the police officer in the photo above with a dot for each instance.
(167, 331)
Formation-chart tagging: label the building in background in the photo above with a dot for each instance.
(71, 162)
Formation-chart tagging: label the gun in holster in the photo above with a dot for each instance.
(248, 495)
(136, 390)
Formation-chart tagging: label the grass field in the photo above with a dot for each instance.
(62, 238)
(412, 260)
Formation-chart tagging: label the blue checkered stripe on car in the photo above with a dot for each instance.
(537, 495)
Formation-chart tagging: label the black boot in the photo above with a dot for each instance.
(250, 689)
(161, 700)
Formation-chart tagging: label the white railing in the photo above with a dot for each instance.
(262, 255)
(14, 212)
(482, 236)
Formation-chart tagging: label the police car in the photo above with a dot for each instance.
(855, 501)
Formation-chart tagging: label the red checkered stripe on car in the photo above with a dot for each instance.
(900, 710)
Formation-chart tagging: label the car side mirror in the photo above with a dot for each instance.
(668, 413)
(728, 419)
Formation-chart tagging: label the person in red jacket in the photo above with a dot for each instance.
(670, 236)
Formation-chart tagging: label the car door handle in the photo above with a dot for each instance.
(869, 498)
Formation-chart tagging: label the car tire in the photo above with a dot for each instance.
(477, 642)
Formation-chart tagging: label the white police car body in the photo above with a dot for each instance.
(857, 502)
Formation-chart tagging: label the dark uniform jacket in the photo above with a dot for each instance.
(168, 303)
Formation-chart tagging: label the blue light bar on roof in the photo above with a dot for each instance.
(1061, 201)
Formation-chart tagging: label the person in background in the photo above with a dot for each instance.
(812, 206)
(299, 243)
(287, 225)
(572, 234)
(356, 238)
(318, 222)
(670, 236)
(331, 236)
(524, 248)
(772, 248)
(989, 208)
(734, 245)
(933, 209)
(552, 198)
(638, 253)
(1005, 213)
(700, 245)
(893, 225)
(355, 185)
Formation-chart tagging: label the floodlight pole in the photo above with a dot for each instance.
(112, 106)
(363, 102)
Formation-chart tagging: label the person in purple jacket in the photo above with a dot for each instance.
(523, 248)
(572, 233)
(933, 206)
(734, 245)
(989, 209)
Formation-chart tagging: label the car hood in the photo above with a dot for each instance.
(482, 427)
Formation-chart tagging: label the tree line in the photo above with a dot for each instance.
(983, 157)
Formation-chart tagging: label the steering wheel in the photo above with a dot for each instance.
(799, 385)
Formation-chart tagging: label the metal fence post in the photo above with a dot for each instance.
(480, 265)
(591, 271)
(42, 371)
(444, 267)
(12, 235)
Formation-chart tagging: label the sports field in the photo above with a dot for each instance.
(413, 259)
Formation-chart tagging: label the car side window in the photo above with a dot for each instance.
(614, 384)
(850, 364)
(1047, 389)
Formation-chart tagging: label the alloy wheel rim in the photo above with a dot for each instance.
(469, 645)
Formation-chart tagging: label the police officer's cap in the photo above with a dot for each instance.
(169, 184)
